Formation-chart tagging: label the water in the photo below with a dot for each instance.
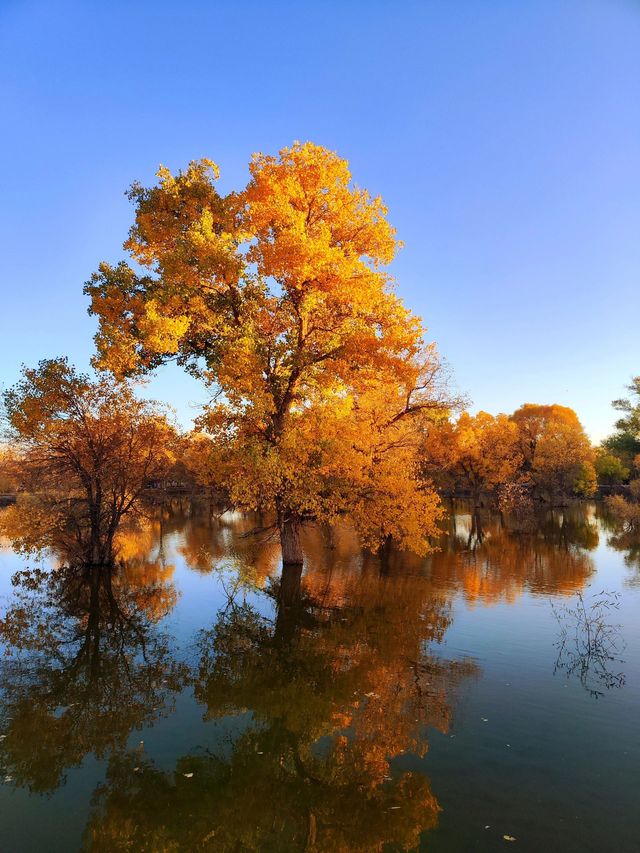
(200, 699)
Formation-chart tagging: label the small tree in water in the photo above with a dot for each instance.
(85, 451)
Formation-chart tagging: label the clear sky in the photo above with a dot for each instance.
(504, 137)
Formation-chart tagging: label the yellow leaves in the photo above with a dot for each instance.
(276, 296)
(341, 455)
(88, 447)
(162, 332)
(543, 446)
(556, 448)
(183, 227)
(308, 231)
(328, 231)
(481, 450)
(198, 171)
(586, 480)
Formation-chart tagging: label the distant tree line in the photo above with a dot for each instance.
(540, 451)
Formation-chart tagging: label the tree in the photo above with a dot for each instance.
(8, 478)
(276, 297)
(480, 451)
(201, 463)
(623, 517)
(625, 441)
(557, 454)
(585, 483)
(86, 449)
(610, 469)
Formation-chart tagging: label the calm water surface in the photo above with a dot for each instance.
(200, 698)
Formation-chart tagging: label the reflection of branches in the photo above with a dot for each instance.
(84, 666)
(622, 520)
(233, 588)
(492, 562)
(327, 688)
(588, 644)
(630, 544)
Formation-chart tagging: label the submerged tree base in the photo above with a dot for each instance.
(290, 542)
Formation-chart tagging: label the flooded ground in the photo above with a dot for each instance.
(199, 697)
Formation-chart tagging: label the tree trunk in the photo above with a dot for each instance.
(330, 536)
(384, 554)
(290, 539)
(475, 492)
(290, 586)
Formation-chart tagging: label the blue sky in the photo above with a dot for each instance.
(504, 137)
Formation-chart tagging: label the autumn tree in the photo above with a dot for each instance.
(557, 454)
(276, 296)
(623, 520)
(86, 449)
(8, 470)
(624, 443)
(201, 460)
(480, 452)
(610, 469)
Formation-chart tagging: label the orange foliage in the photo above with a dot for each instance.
(86, 449)
(479, 451)
(557, 453)
(277, 297)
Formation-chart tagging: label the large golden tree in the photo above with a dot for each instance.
(277, 297)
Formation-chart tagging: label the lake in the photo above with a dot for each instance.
(200, 697)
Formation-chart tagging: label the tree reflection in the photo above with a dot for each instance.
(624, 536)
(629, 543)
(491, 562)
(314, 682)
(240, 542)
(326, 693)
(84, 665)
